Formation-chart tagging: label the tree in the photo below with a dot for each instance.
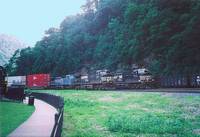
(162, 35)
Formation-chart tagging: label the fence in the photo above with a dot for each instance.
(15, 93)
(58, 103)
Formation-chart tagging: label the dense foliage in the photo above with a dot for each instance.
(163, 35)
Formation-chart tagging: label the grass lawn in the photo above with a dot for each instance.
(12, 115)
(129, 114)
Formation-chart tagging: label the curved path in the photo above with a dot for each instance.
(40, 124)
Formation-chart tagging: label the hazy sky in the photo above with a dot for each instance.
(28, 19)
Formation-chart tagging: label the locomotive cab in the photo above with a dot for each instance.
(144, 75)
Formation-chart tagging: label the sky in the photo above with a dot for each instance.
(27, 20)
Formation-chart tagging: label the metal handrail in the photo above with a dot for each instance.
(58, 124)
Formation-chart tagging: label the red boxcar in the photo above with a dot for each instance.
(38, 80)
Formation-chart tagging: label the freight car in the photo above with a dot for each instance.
(30, 81)
(180, 81)
(38, 81)
(19, 81)
(69, 80)
(60, 82)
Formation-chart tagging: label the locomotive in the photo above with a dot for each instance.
(104, 79)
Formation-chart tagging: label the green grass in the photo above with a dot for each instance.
(125, 114)
(12, 115)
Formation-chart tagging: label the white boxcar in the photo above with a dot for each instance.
(16, 80)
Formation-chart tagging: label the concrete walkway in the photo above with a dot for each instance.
(40, 124)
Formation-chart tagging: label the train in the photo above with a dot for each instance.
(99, 79)
(139, 78)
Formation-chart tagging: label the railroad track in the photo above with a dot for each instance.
(164, 90)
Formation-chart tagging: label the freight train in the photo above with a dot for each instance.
(100, 79)
(104, 79)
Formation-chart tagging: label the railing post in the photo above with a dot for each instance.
(56, 118)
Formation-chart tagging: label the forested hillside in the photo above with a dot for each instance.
(162, 35)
